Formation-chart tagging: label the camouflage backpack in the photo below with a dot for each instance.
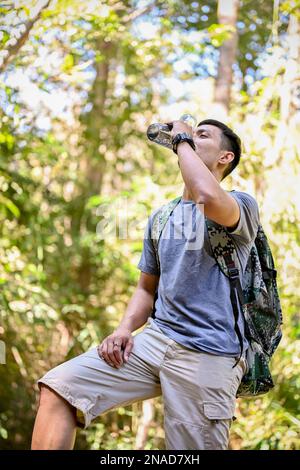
(258, 298)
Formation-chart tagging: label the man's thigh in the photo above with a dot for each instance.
(200, 400)
(93, 387)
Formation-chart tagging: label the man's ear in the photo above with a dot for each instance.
(226, 157)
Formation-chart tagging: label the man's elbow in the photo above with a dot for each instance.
(205, 197)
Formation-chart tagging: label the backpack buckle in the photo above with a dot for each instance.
(233, 273)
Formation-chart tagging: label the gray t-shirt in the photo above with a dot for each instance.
(193, 306)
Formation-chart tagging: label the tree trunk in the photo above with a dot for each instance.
(14, 48)
(227, 14)
(94, 160)
(289, 89)
(144, 424)
(93, 164)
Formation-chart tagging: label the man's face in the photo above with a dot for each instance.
(208, 142)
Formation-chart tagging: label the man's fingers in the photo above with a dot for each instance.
(103, 350)
(128, 349)
(117, 346)
(111, 350)
(117, 353)
(105, 353)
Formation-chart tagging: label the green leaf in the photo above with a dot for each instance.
(68, 62)
(10, 205)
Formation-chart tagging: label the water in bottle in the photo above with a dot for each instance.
(161, 133)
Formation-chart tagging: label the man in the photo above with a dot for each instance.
(188, 351)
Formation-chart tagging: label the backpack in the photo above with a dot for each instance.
(258, 298)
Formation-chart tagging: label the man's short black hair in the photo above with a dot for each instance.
(230, 141)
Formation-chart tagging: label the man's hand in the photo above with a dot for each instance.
(116, 348)
(180, 127)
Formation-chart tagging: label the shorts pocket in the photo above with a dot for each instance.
(237, 375)
(219, 417)
(215, 411)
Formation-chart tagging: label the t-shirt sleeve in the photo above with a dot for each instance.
(148, 263)
(246, 229)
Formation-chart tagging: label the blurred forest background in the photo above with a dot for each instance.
(79, 84)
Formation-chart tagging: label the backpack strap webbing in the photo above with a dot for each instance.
(236, 294)
(159, 221)
(224, 252)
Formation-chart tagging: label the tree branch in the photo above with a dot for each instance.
(13, 49)
(133, 15)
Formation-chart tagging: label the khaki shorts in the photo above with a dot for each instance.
(198, 389)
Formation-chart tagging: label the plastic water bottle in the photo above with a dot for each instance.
(161, 133)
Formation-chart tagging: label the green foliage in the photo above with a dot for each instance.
(218, 33)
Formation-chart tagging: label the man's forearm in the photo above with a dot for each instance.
(200, 182)
(138, 310)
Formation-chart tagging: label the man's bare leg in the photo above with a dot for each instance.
(55, 424)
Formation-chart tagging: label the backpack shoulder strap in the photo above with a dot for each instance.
(159, 221)
(222, 246)
(225, 255)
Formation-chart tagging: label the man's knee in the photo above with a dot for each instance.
(51, 399)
